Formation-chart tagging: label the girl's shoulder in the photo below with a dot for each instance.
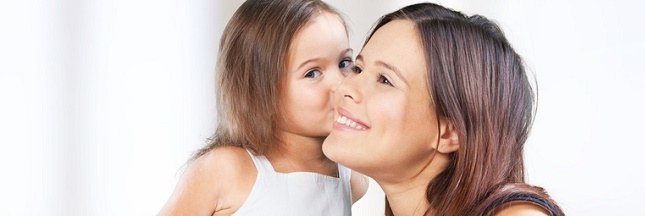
(227, 159)
(231, 172)
(217, 181)
(221, 164)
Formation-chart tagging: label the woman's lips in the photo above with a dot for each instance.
(347, 119)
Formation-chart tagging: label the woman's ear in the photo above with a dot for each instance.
(448, 138)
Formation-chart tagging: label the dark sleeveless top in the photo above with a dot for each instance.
(524, 197)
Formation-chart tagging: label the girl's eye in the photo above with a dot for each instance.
(384, 80)
(313, 73)
(345, 66)
(344, 63)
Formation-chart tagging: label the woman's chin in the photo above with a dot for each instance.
(337, 150)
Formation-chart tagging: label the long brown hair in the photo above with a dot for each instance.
(251, 68)
(476, 81)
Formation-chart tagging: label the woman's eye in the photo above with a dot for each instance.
(344, 64)
(356, 69)
(384, 80)
(313, 74)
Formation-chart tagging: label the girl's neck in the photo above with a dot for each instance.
(293, 153)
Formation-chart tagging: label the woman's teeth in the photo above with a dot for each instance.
(348, 122)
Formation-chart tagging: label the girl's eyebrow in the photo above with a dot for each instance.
(348, 50)
(306, 62)
(316, 59)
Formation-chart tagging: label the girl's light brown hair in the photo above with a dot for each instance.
(251, 68)
(476, 81)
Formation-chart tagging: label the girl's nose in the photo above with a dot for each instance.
(348, 89)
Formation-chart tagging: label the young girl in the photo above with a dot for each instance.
(278, 62)
(437, 113)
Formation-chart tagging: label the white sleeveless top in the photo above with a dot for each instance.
(297, 193)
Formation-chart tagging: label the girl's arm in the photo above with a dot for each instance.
(359, 184)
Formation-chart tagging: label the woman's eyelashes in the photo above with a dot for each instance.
(356, 69)
(383, 79)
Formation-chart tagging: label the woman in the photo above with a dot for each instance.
(437, 113)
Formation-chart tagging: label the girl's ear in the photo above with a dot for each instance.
(449, 137)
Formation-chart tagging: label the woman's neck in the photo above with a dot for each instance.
(407, 198)
(408, 195)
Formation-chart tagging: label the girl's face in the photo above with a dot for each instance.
(318, 57)
(385, 124)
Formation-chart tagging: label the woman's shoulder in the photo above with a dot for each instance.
(521, 209)
(520, 199)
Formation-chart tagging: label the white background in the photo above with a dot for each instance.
(102, 102)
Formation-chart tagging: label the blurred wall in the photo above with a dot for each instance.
(102, 102)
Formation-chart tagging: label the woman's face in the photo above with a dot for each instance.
(385, 122)
(318, 57)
